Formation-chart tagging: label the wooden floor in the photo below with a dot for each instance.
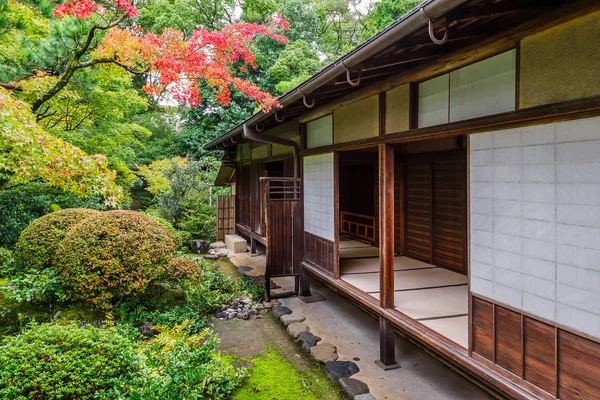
(435, 297)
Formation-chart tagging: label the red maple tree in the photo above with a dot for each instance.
(176, 64)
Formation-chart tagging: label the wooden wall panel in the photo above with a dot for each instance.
(508, 340)
(540, 354)
(450, 214)
(483, 328)
(399, 208)
(418, 211)
(319, 252)
(578, 367)
(566, 367)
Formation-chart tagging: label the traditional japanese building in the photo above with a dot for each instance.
(445, 176)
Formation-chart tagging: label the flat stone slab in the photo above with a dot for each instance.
(280, 311)
(236, 243)
(366, 396)
(308, 340)
(211, 257)
(297, 328)
(313, 298)
(340, 369)
(220, 252)
(324, 352)
(292, 318)
(217, 245)
(353, 387)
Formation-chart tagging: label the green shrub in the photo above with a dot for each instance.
(181, 267)
(22, 205)
(113, 255)
(37, 244)
(183, 366)
(66, 362)
(6, 262)
(181, 238)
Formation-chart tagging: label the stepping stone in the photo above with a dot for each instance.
(219, 252)
(313, 298)
(324, 352)
(291, 318)
(297, 328)
(340, 369)
(281, 310)
(217, 245)
(366, 396)
(308, 340)
(236, 243)
(211, 257)
(353, 387)
(243, 268)
(267, 304)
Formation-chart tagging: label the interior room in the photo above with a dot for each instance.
(430, 231)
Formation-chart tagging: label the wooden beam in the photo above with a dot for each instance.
(386, 225)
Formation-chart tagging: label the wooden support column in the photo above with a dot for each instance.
(386, 225)
(387, 336)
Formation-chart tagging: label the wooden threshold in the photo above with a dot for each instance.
(441, 347)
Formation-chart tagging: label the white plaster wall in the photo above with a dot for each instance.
(318, 195)
(535, 220)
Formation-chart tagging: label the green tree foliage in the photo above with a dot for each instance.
(384, 13)
(23, 204)
(297, 62)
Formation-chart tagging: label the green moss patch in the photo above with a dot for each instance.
(274, 378)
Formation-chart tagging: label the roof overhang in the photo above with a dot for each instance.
(407, 43)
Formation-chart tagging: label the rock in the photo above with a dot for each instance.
(244, 315)
(199, 246)
(232, 315)
(236, 243)
(243, 269)
(324, 352)
(281, 310)
(252, 311)
(219, 252)
(340, 369)
(366, 396)
(308, 340)
(267, 304)
(147, 330)
(353, 387)
(291, 318)
(211, 257)
(217, 245)
(221, 314)
(297, 328)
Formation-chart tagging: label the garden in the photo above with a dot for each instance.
(105, 106)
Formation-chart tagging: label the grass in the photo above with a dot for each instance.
(275, 378)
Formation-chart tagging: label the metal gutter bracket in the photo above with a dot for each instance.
(277, 116)
(432, 33)
(311, 105)
(349, 78)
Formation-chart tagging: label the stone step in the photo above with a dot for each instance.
(236, 243)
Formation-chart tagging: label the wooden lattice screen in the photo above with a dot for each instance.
(225, 216)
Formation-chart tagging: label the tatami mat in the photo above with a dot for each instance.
(359, 252)
(366, 265)
(350, 244)
(407, 280)
(427, 304)
(455, 329)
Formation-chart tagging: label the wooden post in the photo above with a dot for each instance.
(386, 225)
(387, 336)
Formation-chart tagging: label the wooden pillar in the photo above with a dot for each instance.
(386, 225)
(304, 283)
(387, 336)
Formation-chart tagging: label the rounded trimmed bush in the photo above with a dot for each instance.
(66, 362)
(37, 244)
(181, 267)
(112, 255)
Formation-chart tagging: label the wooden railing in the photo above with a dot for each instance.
(280, 188)
(358, 225)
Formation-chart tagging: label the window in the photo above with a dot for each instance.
(319, 132)
(484, 88)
